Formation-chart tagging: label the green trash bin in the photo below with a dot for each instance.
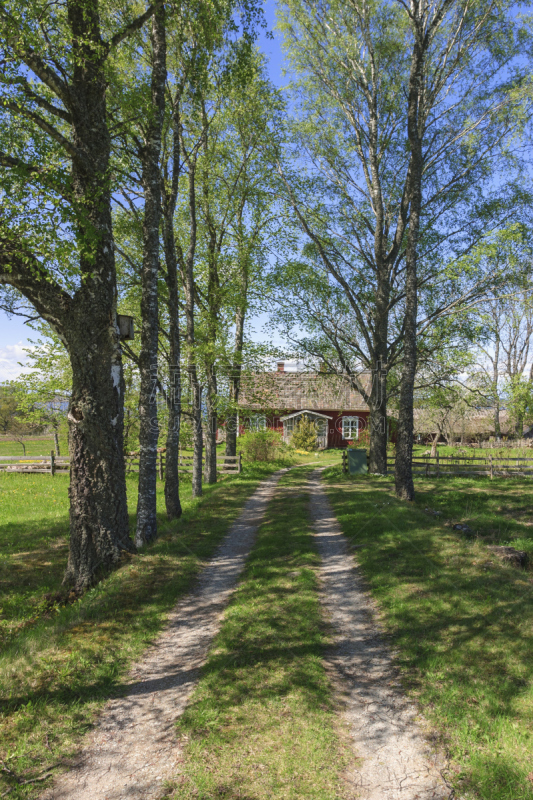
(357, 461)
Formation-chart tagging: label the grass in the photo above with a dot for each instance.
(59, 663)
(460, 622)
(35, 446)
(261, 723)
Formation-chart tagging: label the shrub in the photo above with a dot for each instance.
(260, 445)
(305, 435)
(363, 440)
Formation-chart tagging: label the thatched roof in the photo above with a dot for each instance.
(282, 391)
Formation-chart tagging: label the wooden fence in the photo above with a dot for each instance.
(52, 464)
(489, 465)
(47, 464)
(225, 464)
(440, 466)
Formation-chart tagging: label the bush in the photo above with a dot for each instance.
(260, 445)
(305, 435)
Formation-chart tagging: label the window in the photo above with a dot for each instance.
(350, 427)
(258, 423)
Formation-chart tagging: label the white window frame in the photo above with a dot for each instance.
(347, 428)
(258, 422)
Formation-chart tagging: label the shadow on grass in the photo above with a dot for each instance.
(462, 627)
(55, 675)
(263, 709)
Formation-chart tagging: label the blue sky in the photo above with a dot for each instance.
(14, 334)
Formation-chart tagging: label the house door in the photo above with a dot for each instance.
(322, 433)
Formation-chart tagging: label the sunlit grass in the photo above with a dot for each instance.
(57, 669)
(462, 622)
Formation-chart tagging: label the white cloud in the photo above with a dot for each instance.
(10, 356)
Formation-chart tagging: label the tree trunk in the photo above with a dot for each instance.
(149, 428)
(404, 445)
(232, 422)
(433, 453)
(210, 473)
(495, 376)
(99, 526)
(56, 443)
(378, 420)
(197, 433)
(172, 481)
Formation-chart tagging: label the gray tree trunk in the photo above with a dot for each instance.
(378, 419)
(235, 385)
(172, 482)
(56, 444)
(210, 472)
(495, 368)
(404, 445)
(192, 372)
(149, 429)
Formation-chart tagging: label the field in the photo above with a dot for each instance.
(459, 621)
(35, 446)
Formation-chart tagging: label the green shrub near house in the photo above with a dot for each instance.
(305, 435)
(262, 445)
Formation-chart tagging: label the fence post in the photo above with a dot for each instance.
(52, 463)
(160, 466)
(438, 464)
(239, 470)
(491, 468)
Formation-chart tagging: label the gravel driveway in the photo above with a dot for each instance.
(134, 749)
(394, 761)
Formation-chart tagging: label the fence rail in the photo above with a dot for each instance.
(52, 464)
(227, 465)
(45, 464)
(489, 465)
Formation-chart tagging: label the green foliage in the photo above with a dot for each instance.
(42, 392)
(262, 445)
(519, 392)
(305, 435)
(8, 409)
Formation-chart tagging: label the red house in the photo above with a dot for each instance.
(278, 400)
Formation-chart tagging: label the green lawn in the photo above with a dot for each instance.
(59, 663)
(460, 621)
(35, 446)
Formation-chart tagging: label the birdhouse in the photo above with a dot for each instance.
(125, 326)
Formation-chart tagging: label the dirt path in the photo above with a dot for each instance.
(133, 749)
(396, 761)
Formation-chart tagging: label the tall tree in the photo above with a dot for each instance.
(150, 151)
(400, 113)
(55, 150)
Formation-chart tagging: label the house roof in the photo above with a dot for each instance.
(305, 391)
(305, 411)
(472, 422)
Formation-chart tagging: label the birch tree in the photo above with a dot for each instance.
(402, 115)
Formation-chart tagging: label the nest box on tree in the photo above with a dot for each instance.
(125, 326)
